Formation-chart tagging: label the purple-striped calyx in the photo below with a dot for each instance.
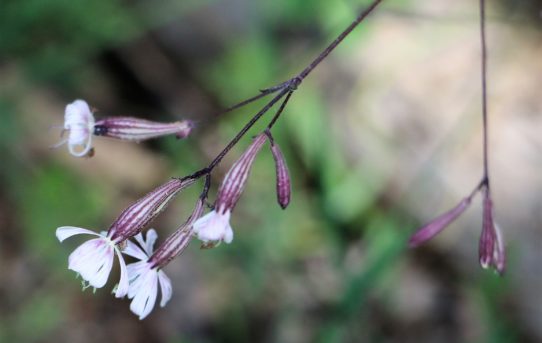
(136, 217)
(93, 259)
(215, 227)
(438, 224)
(134, 129)
(283, 177)
(491, 248)
(146, 274)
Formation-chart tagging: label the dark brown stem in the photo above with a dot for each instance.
(484, 88)
(245, 128)
(337, 41)
(263, 93)
(279, 111)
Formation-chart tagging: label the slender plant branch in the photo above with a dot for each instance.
(338, 40)
(285, 90)
(245, 128)
(279, 111)
(263, 93)
(484, 88)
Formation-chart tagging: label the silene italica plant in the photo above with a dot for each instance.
(141, 281)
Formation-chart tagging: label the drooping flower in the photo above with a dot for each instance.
(215, 227)
(134, 129)
(79, 124)
(93, 260)
(147, 274)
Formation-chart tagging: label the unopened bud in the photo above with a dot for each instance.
(134, 218)
(438, 224)
(283, 177)
(134, 129)
(236, 178)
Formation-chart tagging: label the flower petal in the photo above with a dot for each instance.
(64, 232)
(144, 300)
(165, 287)
(93, 260)
(123, 286)
(133, 250)
(499, 254)
(214, 227)
(152, 236)
(228, 234)
(135, 272)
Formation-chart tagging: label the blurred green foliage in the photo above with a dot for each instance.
(335, 208)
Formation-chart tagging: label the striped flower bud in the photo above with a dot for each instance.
(133, 129)
(235, 180)
(438, 224)
(491, 249)
(215, 227)
(135, 217)
(283, 177)
(178, 241)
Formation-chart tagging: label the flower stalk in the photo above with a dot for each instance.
(491, 249)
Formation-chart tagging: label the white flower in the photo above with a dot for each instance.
(144, 277)
(214, 227)
(79, 122)
(93, 259)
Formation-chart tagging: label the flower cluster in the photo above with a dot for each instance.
(141, 281)
(80, 125)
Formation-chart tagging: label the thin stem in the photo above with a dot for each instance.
(285, 89)
(279, 111)
(479, 186)
(263, 93)
(245, 128)
(337, 41)
(484, 87)
(267, 131)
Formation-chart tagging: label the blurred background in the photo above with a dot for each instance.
(382, 137)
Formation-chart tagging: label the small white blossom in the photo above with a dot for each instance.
(214, 227)
(93, 259)
(79, 123)
(145, 277)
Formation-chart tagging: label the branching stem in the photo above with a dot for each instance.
(285, 90)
